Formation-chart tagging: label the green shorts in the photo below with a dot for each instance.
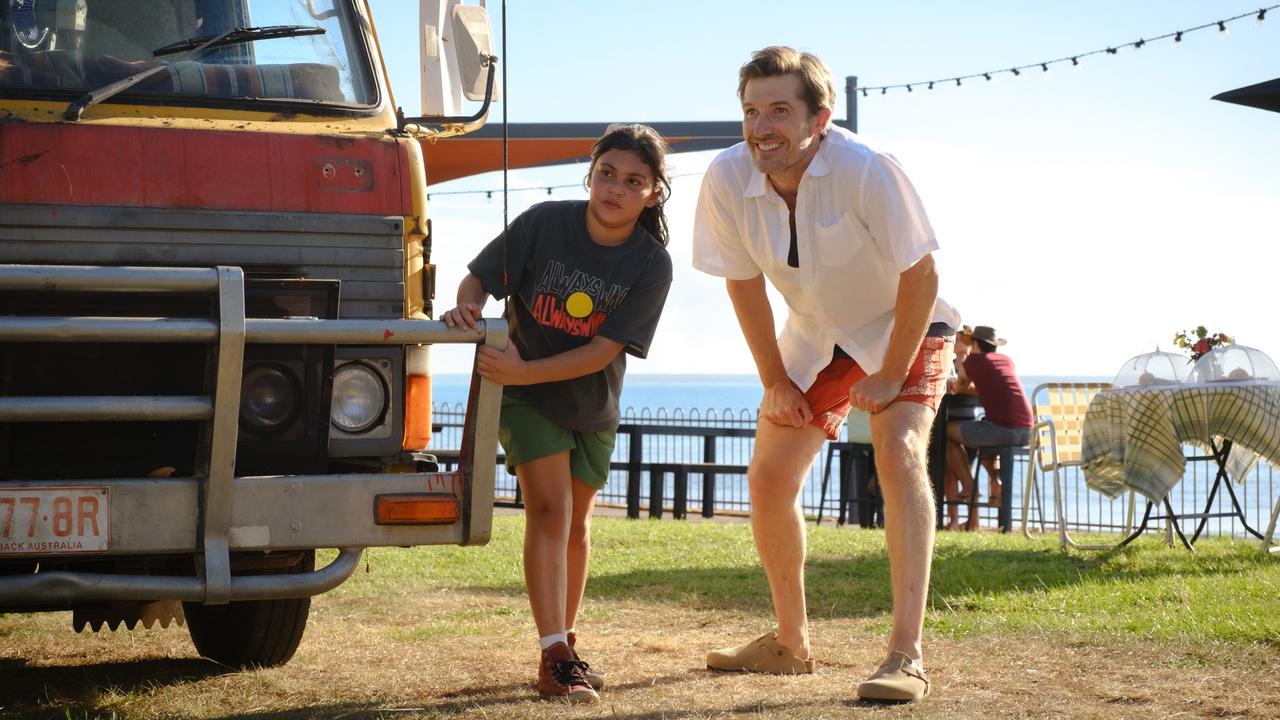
(527, 434)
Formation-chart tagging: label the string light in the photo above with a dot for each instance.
(1259, 15)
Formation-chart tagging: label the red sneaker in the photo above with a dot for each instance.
(594, 679)
(560, 676)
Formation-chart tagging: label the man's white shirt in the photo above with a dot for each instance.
(859, 225)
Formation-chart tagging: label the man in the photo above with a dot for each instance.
(1008, 417)
(837, 228)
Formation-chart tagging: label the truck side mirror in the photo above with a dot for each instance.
(457, 47)
(473, 44)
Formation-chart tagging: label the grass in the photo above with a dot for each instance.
(1016, 628)
(982, 583)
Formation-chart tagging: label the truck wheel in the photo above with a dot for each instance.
(262, 633)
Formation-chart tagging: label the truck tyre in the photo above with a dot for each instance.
(262, 633)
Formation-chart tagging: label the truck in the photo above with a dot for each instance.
(215, 310)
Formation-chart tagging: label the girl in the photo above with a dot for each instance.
(584, 281)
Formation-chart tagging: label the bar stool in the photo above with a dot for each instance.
(857, 471)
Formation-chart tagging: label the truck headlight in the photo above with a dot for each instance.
(359, 398)
(268, 398)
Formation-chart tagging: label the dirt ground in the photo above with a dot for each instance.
(472, 655)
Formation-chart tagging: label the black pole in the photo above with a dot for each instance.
(851, 102)
(634, 460)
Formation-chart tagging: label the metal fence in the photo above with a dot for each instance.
(725, 440)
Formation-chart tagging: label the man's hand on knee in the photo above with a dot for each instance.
(783, 404)
(874, 392)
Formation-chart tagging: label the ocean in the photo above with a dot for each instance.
(692, 392)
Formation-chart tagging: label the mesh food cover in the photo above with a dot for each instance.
(1234, 362)
(1152, 369)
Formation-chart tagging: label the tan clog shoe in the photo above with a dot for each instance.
(762, 655)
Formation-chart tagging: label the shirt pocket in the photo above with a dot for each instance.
(839, 243)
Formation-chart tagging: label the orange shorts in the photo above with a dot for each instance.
(925, 384)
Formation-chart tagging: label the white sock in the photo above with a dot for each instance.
(547, 641)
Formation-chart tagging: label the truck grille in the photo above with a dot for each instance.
(89, 450)
(365, 253)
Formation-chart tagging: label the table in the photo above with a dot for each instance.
(1134, 437)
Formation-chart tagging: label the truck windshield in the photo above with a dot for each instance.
(64, 48)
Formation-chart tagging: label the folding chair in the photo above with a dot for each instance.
(1057, 441)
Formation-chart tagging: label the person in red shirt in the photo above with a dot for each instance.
(1008, 418)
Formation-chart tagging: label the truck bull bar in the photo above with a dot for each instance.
(216, 512)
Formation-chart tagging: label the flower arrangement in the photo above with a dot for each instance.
(1200, 341)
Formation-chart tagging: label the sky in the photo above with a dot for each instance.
(1087, 214)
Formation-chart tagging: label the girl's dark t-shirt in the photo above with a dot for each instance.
(563, 289)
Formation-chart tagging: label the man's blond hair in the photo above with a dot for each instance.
(818, 89)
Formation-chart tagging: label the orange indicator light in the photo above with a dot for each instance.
(416, 509)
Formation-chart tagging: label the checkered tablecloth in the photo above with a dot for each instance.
(1133, 438)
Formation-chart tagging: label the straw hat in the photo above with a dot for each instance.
(987, 334)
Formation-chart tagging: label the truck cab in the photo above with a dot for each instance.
(215, 310)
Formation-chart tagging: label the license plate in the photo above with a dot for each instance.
(55, 521)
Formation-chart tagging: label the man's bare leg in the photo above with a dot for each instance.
(958, 463)
(956, 482)
(994, 485)
(778, 470)
(900, 436)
